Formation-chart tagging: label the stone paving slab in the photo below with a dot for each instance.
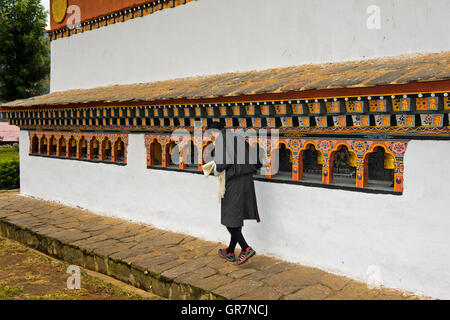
(172, 265)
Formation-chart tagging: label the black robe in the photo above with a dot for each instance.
(239, 201)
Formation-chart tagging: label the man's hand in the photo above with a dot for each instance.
(208, 168)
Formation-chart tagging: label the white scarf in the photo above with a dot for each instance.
(207, 169)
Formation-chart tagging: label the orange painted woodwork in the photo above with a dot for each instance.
(297, 170)
(92, 9)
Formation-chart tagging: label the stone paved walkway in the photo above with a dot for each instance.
(171, 265)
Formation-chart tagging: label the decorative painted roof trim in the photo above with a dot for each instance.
(423, 114)
(115, 17)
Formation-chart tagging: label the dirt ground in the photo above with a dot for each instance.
(26, 274)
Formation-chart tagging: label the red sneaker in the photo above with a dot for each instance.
(225, 255)
(245, 255)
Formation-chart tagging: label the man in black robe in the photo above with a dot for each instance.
(233, 155)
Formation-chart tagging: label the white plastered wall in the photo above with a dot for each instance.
(217, 36)
(349, 233)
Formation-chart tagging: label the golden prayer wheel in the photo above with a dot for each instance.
(320, 158)
(158, 153)
(84, 144)
(95, 144)
(352, 160)
(74, 143)
(389, 161)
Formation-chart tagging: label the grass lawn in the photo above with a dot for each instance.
(9, 168)
(27, 274)
(9, 153)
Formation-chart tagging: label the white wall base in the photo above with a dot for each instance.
(407, 237)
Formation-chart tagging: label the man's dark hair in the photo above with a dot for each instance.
(215, 125)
